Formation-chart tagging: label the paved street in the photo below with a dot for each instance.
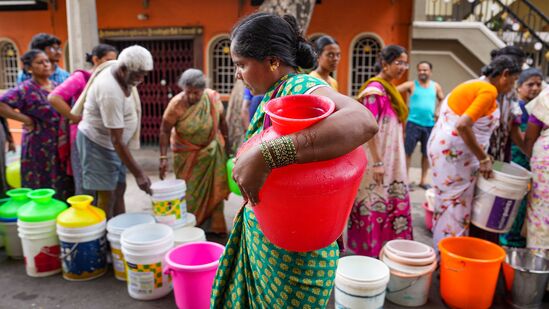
(17, 290)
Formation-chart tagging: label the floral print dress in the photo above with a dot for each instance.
(381, 213)
(40, 164)
(455, 171)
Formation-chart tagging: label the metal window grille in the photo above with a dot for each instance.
(222, 67)
(8, 65)
(365, 51)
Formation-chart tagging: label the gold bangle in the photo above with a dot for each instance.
(267, 155)
(163, 157)
(487, 159)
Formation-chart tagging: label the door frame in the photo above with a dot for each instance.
(163, 33)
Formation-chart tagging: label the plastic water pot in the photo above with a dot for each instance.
(526, 276)
(304, 207)
(469, 269)
(42, 207)
(497, 200)
(192, 267)
(115, 227)
(232, 184)
(17, 198)
(144, 247)
(360, 282)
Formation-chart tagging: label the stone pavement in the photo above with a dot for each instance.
(17, 290)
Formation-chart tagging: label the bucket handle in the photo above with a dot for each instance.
(63, 256)
(404, 288)
(168, 271)
(462, 263)
(49, 254)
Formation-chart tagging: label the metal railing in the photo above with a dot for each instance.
(516, 22)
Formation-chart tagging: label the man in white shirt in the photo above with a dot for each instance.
(110, 127)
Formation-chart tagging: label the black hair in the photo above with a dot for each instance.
(263, 35)
(500, 64)
(43, 40)
(425, 62)
(29, 57)
(388, 54)
(100, 51)
(512, 51)
(527, 74)
(322, 42)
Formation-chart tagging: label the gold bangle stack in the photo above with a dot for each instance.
(485, 160)
(279, 152)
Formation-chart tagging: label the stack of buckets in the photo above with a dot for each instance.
(37, 230)
(170, 208)
(360, 282)
(81, 230)
(497, 200)
(115, 227)
(469, 270)
(8, 221)
(144, 247)
(412, 265)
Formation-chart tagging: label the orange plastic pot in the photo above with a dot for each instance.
(469, 269)
(304, 207)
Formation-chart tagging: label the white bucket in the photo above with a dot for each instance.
(360, 283)
(83, 251)
(11, 240)
(115, 227)
(144, 247)
(410, 290)
(498, 199)
(169, 203)
(188, 234)
(189, 220)
(41, 250)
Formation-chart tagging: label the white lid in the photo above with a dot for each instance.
(121, 222)
(362, 268)
(188, 234)
(409, 248)
(167, 186)
(146, 234)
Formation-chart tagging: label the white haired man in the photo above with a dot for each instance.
(110, 127)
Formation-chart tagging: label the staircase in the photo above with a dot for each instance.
(467, 30)
(516, 22)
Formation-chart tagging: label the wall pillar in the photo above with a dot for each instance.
(82, 26)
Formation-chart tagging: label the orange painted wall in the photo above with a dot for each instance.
(388, 19)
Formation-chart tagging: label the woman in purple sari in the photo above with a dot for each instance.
(40, 164)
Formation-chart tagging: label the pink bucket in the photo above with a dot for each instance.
(192, 267)
(428, 216)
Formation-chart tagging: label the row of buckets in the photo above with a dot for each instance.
(469, 271)
(152, 257)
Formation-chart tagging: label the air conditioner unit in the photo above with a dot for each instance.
(23, 5)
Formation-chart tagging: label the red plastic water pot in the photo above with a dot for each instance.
(304, 207)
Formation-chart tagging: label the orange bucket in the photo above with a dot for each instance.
(469, 269)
